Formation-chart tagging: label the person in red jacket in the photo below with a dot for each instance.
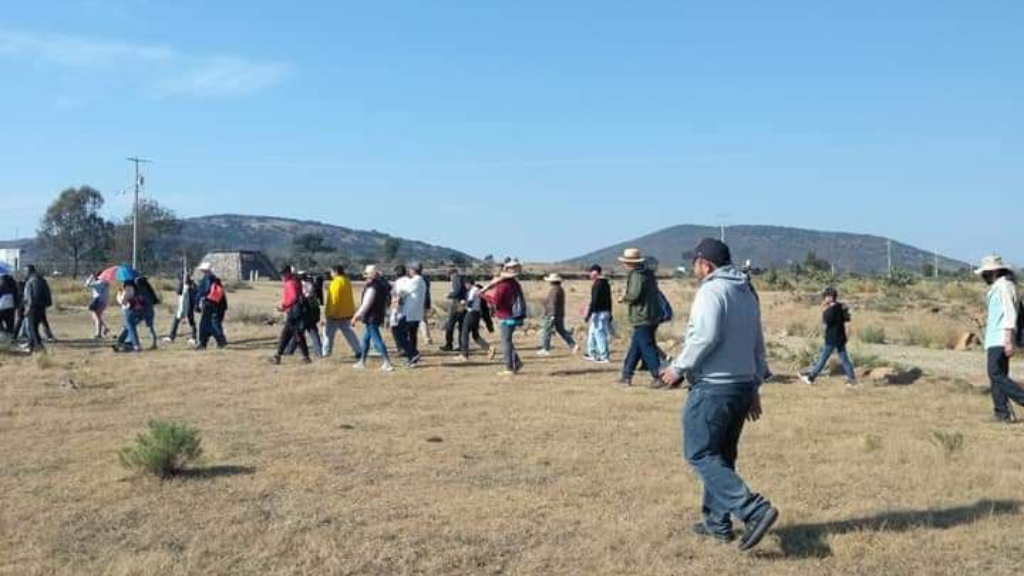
(294, 319)
(505, 296)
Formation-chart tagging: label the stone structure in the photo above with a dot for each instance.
(241, 265)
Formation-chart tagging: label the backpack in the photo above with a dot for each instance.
(519, 307)
(665, 312)
(216, 293)
(147, 291)
(1018, 335)
(847, 315)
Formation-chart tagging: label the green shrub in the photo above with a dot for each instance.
(164, 450)
(872, 335)
(249, 315)
(796, 329)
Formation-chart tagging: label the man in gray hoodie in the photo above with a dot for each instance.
(724, 361)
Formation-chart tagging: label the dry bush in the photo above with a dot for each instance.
(931, 333)
(951, 442)
(872, 335)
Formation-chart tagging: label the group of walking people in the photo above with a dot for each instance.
(23, 306)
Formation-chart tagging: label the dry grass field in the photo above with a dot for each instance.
(452, 470)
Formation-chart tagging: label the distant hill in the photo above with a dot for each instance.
(777, 247)
(274, 236)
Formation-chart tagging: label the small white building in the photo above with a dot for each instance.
(11, 257)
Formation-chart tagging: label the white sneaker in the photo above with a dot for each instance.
(192, 342)
(806, 379)
(387, 367)
(166, 339)
(359, 366)
(543, 353)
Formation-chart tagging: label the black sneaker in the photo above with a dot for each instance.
(445, 348)
(307, 360)
(701, 530)
(275, 360)
(757, 529)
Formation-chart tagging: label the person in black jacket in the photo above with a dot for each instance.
(835, 315)
(456, 309)
(37, 299)
(599, 317)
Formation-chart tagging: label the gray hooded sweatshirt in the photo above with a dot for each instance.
(724, 340)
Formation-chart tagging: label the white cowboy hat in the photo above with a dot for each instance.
(632, 256)
(991, 263)
(370, 270)
(205, 267)
(553, 278)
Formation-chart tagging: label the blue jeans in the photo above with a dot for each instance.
(597, 337)
(554, 324)
(371, 334)
(642, 345)
(826, 353)
(130, 334)
(508, 346)
(712, 424)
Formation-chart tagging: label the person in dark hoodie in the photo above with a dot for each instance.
(35, 301)
(212, 301)
(599, 317)
(151, 300)
(456, 308)
(834, 315)
(554, 317)
(724, 362)
(644, 315)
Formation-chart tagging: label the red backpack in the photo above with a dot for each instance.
(216, 294)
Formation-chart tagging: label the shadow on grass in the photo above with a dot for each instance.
(809, 540)
(585, 371)
(212, 472)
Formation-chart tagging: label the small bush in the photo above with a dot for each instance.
(252, 316)
(872, 443)
(164, 450)
(796, 329)
(807, 356)
(951, 442)
(872, 335)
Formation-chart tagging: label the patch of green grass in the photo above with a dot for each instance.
(872, 335)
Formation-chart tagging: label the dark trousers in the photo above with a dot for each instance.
(712, 424)
(1004, 388)
(455, 321)
(7, 321)
(508, 348)
(33, 318)
(211, 326)
(407, 336)
(471, 328)
(191, 317)
(642, 346)
(292, 336)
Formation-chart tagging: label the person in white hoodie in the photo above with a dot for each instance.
(410, 294)
(724, 362)
(98, 304)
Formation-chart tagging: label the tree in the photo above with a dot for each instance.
(158, 237)
(305, 248)
(814, 264)
(73, 227)
(390, 248)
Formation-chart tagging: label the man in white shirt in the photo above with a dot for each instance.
(410, 294)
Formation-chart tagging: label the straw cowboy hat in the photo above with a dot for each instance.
(370, 270)
(512, 268)
(632, 256)
(991, 263)
(553, 278)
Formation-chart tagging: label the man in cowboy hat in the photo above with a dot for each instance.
(724, 361)
(1002, 334)
(554, 317)
(505, 295)
(373, 312)
(644, 315)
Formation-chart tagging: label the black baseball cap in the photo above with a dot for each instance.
(714, 251)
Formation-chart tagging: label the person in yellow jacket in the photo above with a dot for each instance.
(339, 308)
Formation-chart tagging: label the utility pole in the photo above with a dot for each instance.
(135, 219)
(936, 265)
(888, 252)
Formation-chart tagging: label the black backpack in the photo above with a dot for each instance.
(520, 310)
(664, 308)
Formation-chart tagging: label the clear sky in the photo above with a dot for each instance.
(541, 129)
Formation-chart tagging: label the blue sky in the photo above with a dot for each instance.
(536, 129)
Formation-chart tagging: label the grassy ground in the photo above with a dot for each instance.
(452, 470)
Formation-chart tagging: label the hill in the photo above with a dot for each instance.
(777, 247)
(274, 236)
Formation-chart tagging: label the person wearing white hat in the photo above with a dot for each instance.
(373, 312)
(505, 295)
(644, 315)
(212, 302)
(1002, 334)
(554, 317)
